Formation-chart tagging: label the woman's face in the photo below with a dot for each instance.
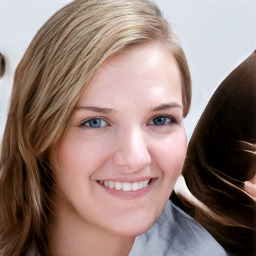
(117, 164)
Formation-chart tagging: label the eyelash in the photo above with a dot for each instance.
(95, 119)
(170, 122)
(88, 123)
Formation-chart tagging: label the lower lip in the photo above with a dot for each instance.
(129, 194)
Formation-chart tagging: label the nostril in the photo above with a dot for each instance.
(2, 65)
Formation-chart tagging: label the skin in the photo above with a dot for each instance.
(128, 127)
(250, 187)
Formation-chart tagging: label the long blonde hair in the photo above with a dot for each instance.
(53, 73)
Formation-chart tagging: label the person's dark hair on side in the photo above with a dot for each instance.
(220, 158)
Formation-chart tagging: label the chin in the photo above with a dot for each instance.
(133, 231)
(134, 226)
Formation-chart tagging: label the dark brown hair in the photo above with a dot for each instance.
(220, 157)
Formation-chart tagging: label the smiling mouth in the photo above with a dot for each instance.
(125, 186)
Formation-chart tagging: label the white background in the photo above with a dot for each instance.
(216, 35)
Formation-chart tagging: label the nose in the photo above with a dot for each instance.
(132, 150)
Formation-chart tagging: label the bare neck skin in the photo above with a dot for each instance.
(73, 237)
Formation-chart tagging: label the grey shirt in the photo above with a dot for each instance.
(176, 234)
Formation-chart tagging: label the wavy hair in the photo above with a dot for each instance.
(49, 81)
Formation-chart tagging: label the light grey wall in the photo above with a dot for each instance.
(216, 36)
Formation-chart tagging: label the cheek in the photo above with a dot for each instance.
(171, 155)
(78, 155)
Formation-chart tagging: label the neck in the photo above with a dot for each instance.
(68, 235)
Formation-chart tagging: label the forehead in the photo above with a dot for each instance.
(146, 72)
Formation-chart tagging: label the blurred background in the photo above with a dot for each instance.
(216, 35)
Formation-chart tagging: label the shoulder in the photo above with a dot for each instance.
(176, 233)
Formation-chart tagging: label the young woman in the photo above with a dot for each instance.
(94, 140)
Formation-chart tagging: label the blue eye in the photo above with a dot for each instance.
(95, 123)
(162, 120)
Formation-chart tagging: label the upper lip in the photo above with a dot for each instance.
(127, 180)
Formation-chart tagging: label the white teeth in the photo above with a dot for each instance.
(118, 185)
(126, 186)
(135, 186)
(145, 183)
(141, 184)
(111, 184)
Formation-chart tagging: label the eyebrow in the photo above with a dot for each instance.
(112, 111)
(97, 109)
(166, 106)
